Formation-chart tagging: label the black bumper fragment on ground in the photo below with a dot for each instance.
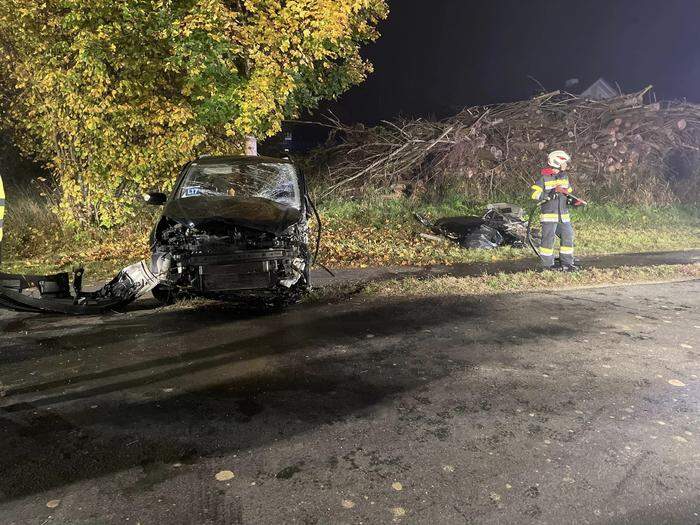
(57, 294)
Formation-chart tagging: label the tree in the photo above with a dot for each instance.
(113, 95)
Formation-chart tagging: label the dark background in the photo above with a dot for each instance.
(436, 56)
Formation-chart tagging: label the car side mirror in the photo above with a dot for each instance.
(155, 198)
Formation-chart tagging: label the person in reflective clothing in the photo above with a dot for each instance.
(552, 189)
(2, 213)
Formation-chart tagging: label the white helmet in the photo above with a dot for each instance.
(557, 157)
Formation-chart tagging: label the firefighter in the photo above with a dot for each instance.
(2, 213)
(552, 189)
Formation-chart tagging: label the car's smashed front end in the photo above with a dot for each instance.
(221, 259)
(232, 259)
(213, 244)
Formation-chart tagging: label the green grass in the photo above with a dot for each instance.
(36, 241)
(376, 232)
(446, 286)
(610, 229)
(371, 232)
(529, 281)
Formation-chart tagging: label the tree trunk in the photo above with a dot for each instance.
(251, 146)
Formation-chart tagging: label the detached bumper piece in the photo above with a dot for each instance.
(57, 294)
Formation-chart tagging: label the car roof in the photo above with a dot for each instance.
(217, 159)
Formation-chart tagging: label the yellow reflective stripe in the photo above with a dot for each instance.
(566, 250)
(549, 184)
(537, 191)
(2, 207)
(554, 217)
(547, 251)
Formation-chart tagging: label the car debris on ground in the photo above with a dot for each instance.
(501, 225)
(58, 293)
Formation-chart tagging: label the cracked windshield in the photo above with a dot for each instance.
(274, 182)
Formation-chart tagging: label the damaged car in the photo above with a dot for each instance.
(233, 228)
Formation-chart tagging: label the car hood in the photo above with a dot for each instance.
(255, 213)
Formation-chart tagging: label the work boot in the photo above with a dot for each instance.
(551, 269)
(570, 268)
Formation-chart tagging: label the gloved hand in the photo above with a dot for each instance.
(562, 190)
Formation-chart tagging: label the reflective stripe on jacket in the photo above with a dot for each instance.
(556, 209)
(2, 207)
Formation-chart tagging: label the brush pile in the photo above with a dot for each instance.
(624, 150)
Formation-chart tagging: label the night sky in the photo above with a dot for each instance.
(436, 56)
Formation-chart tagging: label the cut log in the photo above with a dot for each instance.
(490, 148)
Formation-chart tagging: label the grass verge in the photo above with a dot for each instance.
(37, 242)
(505, 283)
(372, 232)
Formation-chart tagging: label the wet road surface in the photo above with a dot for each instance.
(577, 406)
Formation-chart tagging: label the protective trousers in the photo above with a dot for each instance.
(2, 214)
(565, 232)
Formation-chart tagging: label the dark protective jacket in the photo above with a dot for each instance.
(555, 209)
(2, 207)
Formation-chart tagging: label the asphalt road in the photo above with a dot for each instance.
(570, 407)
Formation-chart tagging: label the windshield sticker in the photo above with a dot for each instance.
(192, 192)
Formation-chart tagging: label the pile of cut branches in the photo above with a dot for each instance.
(625, 150)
